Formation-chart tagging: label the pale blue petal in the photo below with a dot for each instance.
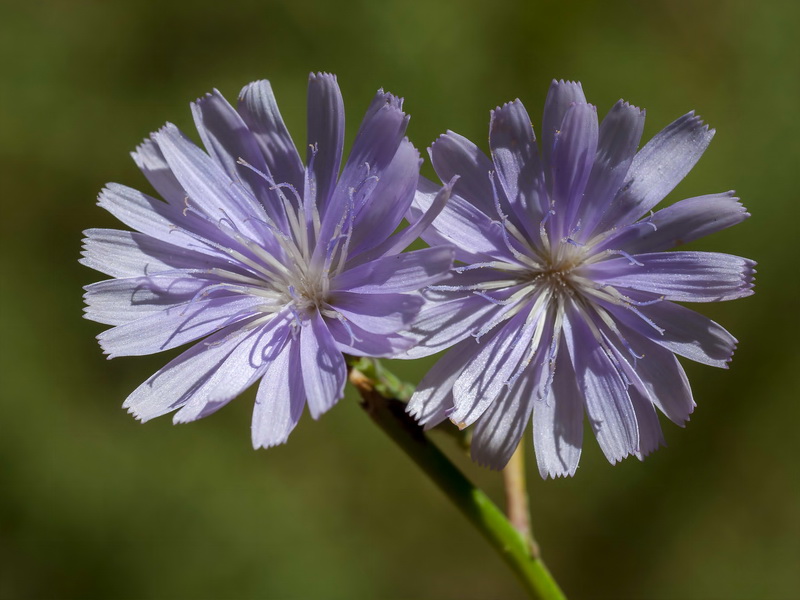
(117, 301)
(433, 398)
(558, 423)
(678, 224)
(176, 325)
(657, 168)
(617, 142)
(499, 430)
(679, 276)
(681, 330)
(241, 368)
(208, 187)
(608, 405)
(150, 160)
(519, 168)
(130, 254)
(228, 141)
(324, 371)
(561, 95)
(388, 202)
(485, 375)
(410, 271)
(259, 109)
(453, 154)
(214, 370)
(376, 312)
(280, 399)
(571, 163)
(325, 135)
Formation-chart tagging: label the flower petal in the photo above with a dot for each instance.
(388, 202)
(208, 187)
(376, 144)
(558, 423)
(212, 371)
(433, 398)
(658, 168)
(325, 135)
(280, 399)
(150, 160)
(176, 325)
(571, 163)
(475, 236)
(239, 370)
(618, 139)
(228, 140)
(129, 254)
(680, 276)
(440, 324)
(650, 434)
(486, 374)
(680, 329)
(678, 224)
(259, 109)
(608, 405)
(355, 341)
(117, 301)
(561, 95)
(324, 371)
(377, 313)
(663, 378)
(499, 430)
(453, 154)
(158, 219)
(519, 169)
(405, 272)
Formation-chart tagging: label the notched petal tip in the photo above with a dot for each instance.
(554, 475)
(441, 138)
(557, 82)
(389, 99)
(622, 103)
(695, 121)
(208, 96)
(168, 129)
(321, 75)
(272, 443)
(503, 107)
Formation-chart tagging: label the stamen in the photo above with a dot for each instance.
(630, 258)
(493, 300)
(486, 285)
(543, 229)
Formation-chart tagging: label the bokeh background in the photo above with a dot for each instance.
(95, 505)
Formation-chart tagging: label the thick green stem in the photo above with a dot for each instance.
(389, 414)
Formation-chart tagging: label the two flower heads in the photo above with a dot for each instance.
(547, 277)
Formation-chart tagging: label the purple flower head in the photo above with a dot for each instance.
(565, 287)
(280, 268)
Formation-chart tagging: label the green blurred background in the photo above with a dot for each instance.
(95, 505)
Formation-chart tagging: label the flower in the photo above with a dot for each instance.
(279, 267)
(565, 285)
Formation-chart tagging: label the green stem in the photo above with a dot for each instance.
(389, 414)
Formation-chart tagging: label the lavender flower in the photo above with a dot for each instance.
(566, 288)
(279, 267)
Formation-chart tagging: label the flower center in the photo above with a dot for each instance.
(308, 293)
(557, 272)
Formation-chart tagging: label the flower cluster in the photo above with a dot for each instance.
(561, 301)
